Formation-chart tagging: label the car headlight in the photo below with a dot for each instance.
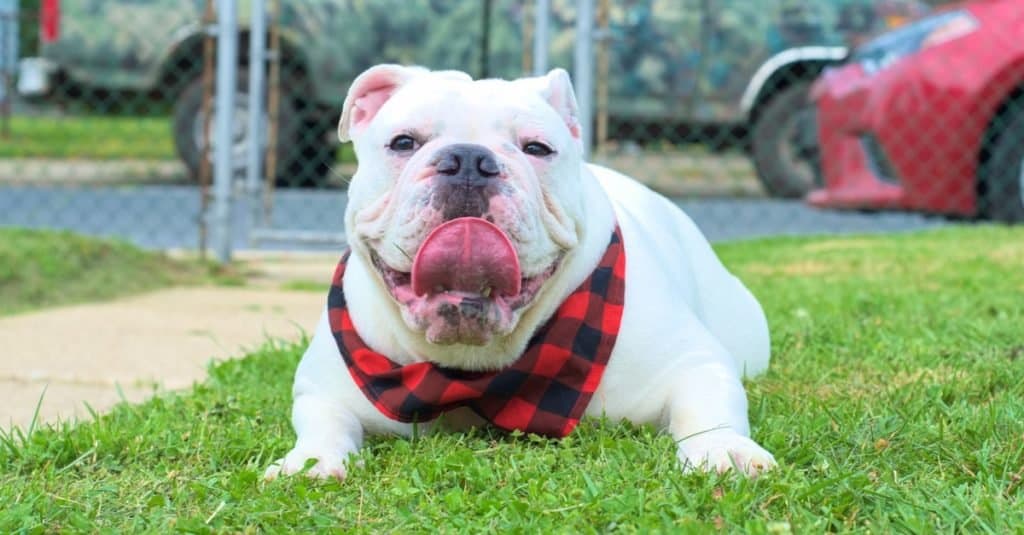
(888, 48)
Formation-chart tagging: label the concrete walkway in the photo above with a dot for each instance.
(94, 353)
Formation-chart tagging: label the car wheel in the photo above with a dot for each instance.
(1002, 174)
(295, 144)
(784, 143)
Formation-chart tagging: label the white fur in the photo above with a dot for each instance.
(690, 329)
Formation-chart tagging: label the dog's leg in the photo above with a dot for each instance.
(327, 430)
(707, 417)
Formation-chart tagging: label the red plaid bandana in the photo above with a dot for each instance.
(544, 392)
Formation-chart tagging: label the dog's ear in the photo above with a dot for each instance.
(556, 88)
(369, 92)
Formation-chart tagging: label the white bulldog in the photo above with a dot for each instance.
(472, 219)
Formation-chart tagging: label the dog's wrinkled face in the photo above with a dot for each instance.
(467, 197)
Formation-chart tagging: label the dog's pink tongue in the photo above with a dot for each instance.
(467, 254)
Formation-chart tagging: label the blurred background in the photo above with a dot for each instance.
(773, 117)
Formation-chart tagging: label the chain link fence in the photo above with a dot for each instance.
(89, 146)
(778, 101)
(774, 117)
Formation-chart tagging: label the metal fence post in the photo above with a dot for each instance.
(485, 39)
(541, 14)
(257, 76)
(223, 172)
(602, 38)
(583, 70)
(273, 107)
(8, 60)
(209, 25)
(257, 96)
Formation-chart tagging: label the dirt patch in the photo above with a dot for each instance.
(1008, 255)
(685, 173)
(802, 268)
(843, 267)
(839, 245)
(861, 385)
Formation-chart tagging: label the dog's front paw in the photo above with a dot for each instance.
(329, 464)
(722, 451)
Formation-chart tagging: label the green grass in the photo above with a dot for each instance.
(45, 268)
(99, 138)
(89, 137)
(304, 286)
(895, 403)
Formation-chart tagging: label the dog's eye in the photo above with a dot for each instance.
(403, 143)
(538, 149)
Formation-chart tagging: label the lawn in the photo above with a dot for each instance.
(98, 138)
(895, 402)
(89, 137)
(43, 268)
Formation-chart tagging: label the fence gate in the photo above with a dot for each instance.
(286, 144)
(260, 140)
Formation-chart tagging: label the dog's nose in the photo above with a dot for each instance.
(466, 180)
(467, 164)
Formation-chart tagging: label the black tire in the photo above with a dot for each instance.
(1002, 174)
(302, 159)
(187, 108)
(784, 143)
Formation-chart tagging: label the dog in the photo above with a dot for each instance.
(494, 278)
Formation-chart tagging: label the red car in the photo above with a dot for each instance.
(929, 117)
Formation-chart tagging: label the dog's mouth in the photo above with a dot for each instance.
(465, 286)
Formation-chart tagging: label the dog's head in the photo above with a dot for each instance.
(467, 195)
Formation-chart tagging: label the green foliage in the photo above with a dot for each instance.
(44, 268)
(28, 27)
(895, 403)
